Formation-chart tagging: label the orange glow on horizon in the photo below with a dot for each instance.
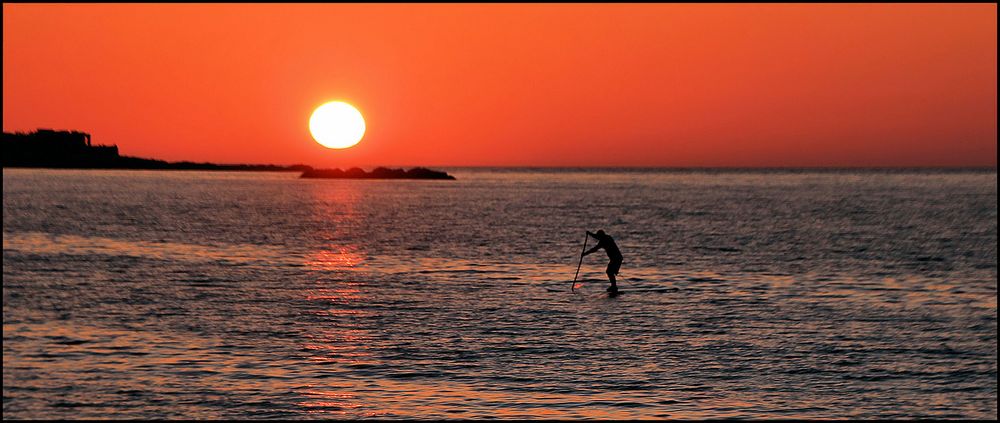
(515, 84)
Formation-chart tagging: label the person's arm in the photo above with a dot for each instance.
(598, 247)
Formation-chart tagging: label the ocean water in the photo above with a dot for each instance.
(819, 294)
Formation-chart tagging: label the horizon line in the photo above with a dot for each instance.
(535, 167)
(527, 166)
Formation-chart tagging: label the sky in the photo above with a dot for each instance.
(675, 85)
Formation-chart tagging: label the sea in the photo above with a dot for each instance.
(818, 294)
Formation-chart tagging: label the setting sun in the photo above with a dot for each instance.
(586, 210)
(337, 125)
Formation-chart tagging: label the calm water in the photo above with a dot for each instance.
(261, 295)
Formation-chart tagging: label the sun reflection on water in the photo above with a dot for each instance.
(340, 258)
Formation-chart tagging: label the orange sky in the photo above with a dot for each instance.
(515, 84)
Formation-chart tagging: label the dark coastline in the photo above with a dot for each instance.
(46, 148)
(51, 149)
(377, 173)
(136, 163)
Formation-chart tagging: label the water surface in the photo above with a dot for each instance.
(175, 294)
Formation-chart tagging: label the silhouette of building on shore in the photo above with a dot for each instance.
(46, 147)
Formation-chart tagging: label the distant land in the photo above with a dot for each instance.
(46, 148)
(378, 173)
(73, 150)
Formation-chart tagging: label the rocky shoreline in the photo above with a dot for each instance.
(377, 173)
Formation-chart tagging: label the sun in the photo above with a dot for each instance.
(337, 125)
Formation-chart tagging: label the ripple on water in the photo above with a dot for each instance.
(796, 295)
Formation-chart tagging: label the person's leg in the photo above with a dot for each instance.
(612, 271)
(613, 268)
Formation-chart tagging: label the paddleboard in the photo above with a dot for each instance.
(622, 290)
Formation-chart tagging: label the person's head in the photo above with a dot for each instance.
(600, 232)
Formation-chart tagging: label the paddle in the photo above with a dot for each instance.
(585, 237)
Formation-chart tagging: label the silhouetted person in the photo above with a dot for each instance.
(608, 244)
